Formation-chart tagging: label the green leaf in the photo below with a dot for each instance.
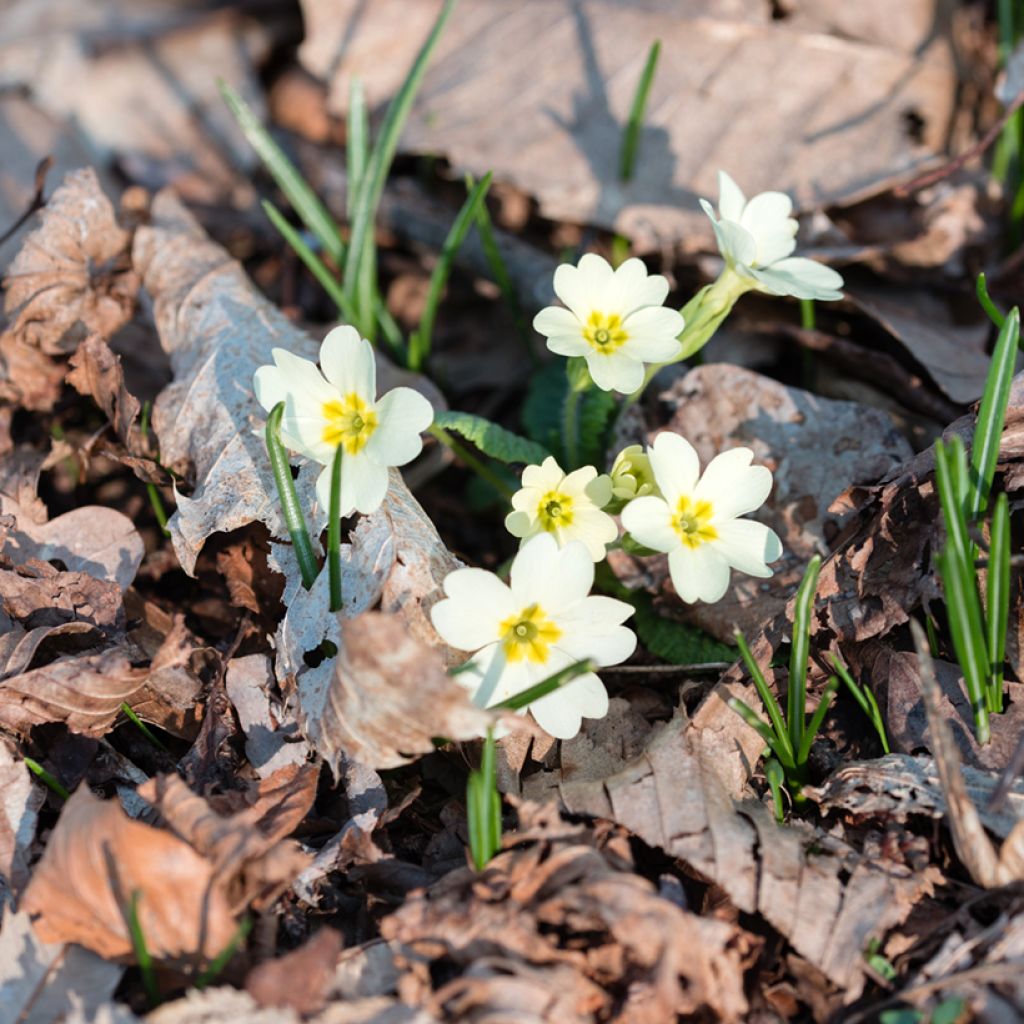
(631, 136)
(796, 690)
(542, 415)
(992, 415)
(997, 604)
(307, 205)
(357, 142)
(492, 440)
(371, 187)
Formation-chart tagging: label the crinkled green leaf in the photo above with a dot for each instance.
(492, 440)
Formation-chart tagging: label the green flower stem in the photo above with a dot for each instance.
(50, 780)
(289, 499)
(465, 455)
(334, 533)
(571, 428)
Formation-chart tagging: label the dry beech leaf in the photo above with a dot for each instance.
(819, 893)
(85, 693)
(557, 899)
(70, 278)
(829, 113)
(96, 371)
(989, 867)
(300, 979)
(245, 845)
(20, 648)
(389, 697)
(898, 786)
(217, 329)
(41, 983)
(96, 858)
(92, 539)
(816, 447)
(20, 800)
(36, 594)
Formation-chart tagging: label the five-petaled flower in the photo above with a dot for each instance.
(542, 621)
(566, 506)
(339, 408)
(615, 320)
(756, 238)
(696, 521)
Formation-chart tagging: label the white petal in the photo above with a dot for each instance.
(648, 520)
(748, 546)
(579, 286)
(593, 629)
(545, 477)
(551, 577)
(594, 529)
(615, 371)
(560, 714)
(675, 465)
(633, 288)
(271, 387)
(348, 363)
(699, 574)
(477, 603)
(554, 320)
(521, 524)
(599, 490)
(735, 243)
(568, 345)
(776, 245)
(491, 679)
(363, 485)
(402, 415)
(575, 483)
(802, 278)
(732, 485)
(653, 334)
(731, 199)
(765, 214)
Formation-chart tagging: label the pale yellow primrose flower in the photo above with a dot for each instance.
(542, 621)
(696, 521)
(756, 238)
(339, 407)
(566, 506)
(615, 320)
(632, 476)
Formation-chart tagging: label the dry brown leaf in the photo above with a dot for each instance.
(245, 846)
(217, 329)
(829, 113)
(97, 372)
(816, 448)
(96, 858)
(70, 278)
(899, 786)
(300, 979)
(36, 594)
(555, 899)
(20, 800)
(84, 692)
(91, 539)
(42, 983)
(389, 697)
(20, 648)
(823, 896)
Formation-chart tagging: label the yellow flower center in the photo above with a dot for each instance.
(604, 332)
(529, 635)
(349, 422)
(554, 510)
(692, 521)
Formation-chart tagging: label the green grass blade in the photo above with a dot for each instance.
(631, 136)
(357, 143)
(141, 726)
(796, 691)
(44, 776)
(142, 955)
(997, 604)
(866, 699)
(957, 538)
(965, 625)
(483, 807)
(422, 338)
(545, 686)
(313, 263)
(981, 288)
(776, 777)
(307, 205)
(827, 696)
(221, 960)
(334, 534)
(750, 716)
(992, 414)
(371, 185)
(783, 744)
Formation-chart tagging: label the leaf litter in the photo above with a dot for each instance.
(643, 875)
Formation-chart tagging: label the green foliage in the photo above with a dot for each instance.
(865, 699)
(50, 780)
(553, 682)
(546, 398)
(492, 440)
(483, 807)
(631, 136)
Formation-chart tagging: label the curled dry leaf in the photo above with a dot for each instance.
(92, 539)
(245, 845)
(559, 899)
(300, 979)
(20, 800)
(72, 276)
(96, 858)
(20, 649)
(96, 371)
(36, 594)
(389, 698)
(217, 329)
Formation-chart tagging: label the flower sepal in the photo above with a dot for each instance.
(578, 375)
(708, 309)
(632, 546)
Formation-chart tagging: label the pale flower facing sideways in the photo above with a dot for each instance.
(338, 407)
(615, 320)
(542, 621)
(696, 521)
(566, 506)
(757, 237)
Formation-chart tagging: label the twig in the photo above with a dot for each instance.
(700, 666)
(38, 199)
